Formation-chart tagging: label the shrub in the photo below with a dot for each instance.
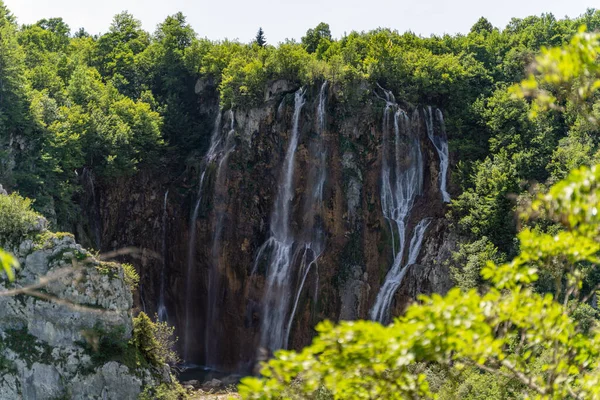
(165, 336)
(17, 219)
(155, 340)
(144, 339)
(164, 391)
(132, 278)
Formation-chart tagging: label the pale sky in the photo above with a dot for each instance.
(280, 19)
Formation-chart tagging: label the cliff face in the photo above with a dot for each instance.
(47, 340)
(218, 246)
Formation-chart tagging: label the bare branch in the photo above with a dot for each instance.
(128, 251)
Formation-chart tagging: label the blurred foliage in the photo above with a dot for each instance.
(9, 264)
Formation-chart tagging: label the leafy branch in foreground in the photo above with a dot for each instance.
(8, 263)
(571, 71)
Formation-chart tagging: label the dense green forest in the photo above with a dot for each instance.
(124, 101)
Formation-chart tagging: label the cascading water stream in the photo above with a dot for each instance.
(393, 282)
(402, 182)
(440, 143)
(162, 309)
(210, 335)
(216, 143)
(279, 272)
(313, 235)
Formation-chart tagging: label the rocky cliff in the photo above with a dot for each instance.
(54, 318)
(212, 216)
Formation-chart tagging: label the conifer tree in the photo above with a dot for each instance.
(260, 37)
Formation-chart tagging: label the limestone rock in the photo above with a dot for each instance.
(277, 87)
(213, 384)
(354, 294)
(193, 383)
(42, 339)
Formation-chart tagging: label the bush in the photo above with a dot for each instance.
(132, 278)
(17, 219)
(164, 391)
(155, 340)
(165, 336)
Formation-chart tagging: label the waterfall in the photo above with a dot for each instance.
(313, 234)
(162, 310)
(216, 143)
(440, 143)
(280, 243)
(210, 333)
(393, 280)
(401, 183)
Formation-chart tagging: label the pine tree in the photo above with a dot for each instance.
(260, 38)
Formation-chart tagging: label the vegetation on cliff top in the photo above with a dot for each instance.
(114, 103)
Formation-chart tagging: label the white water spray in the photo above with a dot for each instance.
(218, 148)
(401, 183)
(162, 309)
(312, 234)
(440, 142)
(211, 339)
(279, 271)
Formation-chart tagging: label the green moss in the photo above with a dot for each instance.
(62, 235)
(104, 346)
(43, 240)
(146, 348)
(111, 269)
(108, 268)
(27, 347)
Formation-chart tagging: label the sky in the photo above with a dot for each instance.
(281, 19)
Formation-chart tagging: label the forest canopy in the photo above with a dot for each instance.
(115, 102)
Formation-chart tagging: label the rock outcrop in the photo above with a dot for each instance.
(64, 300)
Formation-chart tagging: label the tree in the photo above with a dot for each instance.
(260, 38)
(117, 53)
(60, 32)
(81, 33)
(482, 26)
(314, 37)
